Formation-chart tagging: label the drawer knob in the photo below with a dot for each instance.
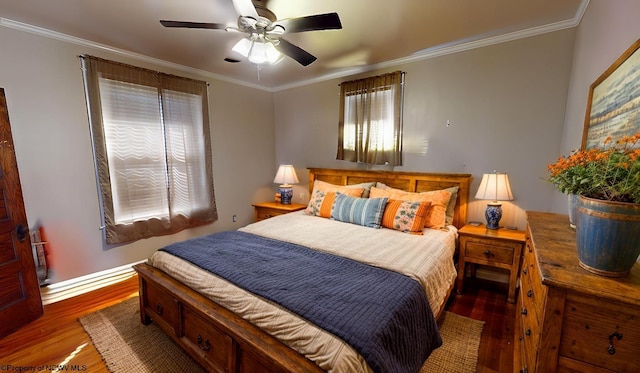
(204, 346)
(488, 253)
(159, 309)
(527, 332)
(530, 293)
(524, 271)
(611, 349)
(524, 311)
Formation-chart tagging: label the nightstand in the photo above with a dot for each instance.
(499, 248)
(266, 210)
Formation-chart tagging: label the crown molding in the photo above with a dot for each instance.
(5, 22)
(450, 48)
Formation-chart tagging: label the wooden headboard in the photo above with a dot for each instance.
(407, 181)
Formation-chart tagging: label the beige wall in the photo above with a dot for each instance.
(44, 88)
(505, 103)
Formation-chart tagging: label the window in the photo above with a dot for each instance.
(370, 127)
(152, 150)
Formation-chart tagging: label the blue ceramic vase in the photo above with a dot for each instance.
(607, 236)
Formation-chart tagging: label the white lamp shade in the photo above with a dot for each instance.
(286, 175)
(257, 50)
(243, 47)
(495, 187)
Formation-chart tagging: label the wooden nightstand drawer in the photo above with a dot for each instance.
(266, 213)
(266, 210)
(492, 251)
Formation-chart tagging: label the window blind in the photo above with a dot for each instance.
(152, 150)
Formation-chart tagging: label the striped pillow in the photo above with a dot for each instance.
(362, 211)
(405, 216)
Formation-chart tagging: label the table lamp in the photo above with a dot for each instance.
(285, 177)
(494, 187)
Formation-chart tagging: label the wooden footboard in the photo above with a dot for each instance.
(216, 338)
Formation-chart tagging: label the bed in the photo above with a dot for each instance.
(227, 328)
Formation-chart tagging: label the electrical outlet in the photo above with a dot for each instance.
(235, 218)
(301, 196)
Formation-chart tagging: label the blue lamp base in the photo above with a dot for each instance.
(286, 194)
(493, 214)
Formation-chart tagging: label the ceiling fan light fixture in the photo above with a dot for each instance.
(264, 43)
(243, 47)
(258, 51)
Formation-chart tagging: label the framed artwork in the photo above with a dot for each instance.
(613, 107)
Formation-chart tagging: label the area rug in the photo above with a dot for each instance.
(128, 346)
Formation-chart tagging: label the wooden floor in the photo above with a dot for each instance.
(487, 301)
(58, 340)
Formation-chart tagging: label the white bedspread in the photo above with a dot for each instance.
(427, 258)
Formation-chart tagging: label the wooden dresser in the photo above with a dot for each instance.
(569, 320)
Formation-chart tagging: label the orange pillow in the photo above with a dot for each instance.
(405, 216)
(436, 216)
(323, 196)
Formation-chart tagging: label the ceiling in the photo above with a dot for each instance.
(375, 33)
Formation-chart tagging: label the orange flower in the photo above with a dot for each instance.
(610, 172)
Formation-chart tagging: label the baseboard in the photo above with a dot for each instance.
(84, 284)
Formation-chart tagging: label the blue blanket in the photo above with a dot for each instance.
(383, 315)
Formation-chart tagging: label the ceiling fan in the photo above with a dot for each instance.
(264, 41)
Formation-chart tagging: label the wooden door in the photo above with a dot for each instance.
(20, 301)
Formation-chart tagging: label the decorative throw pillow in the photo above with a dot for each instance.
(451, 205)
(405, 216)
(322, 190)
(366, 186)
(362, 211)
(436, 216)
(320, 204)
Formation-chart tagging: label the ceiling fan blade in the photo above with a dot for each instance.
(327, 21)
(245, 8)
(303, 57)
(184, 24)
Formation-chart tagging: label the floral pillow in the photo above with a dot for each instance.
(405, 216)
(323, 196)
(436, 216)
